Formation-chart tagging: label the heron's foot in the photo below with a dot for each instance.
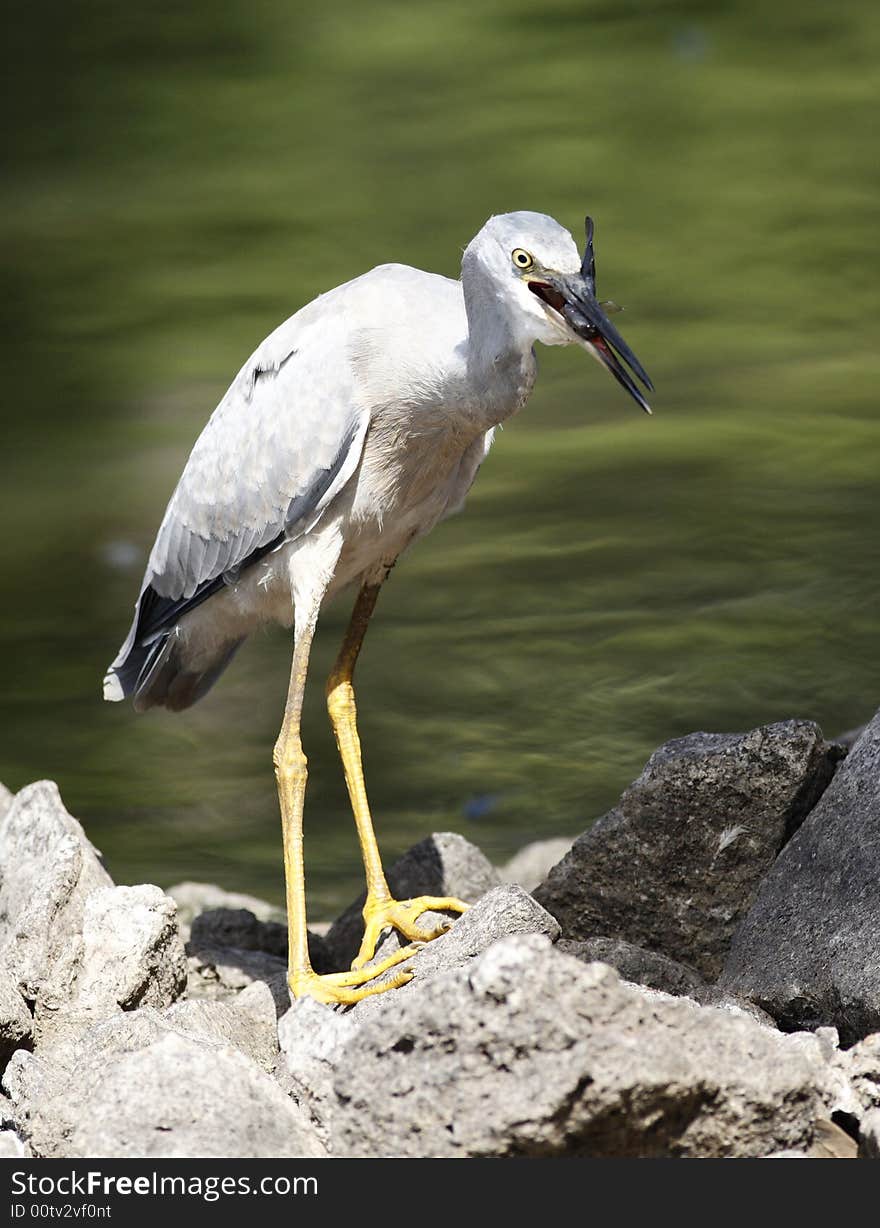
(350, 987)
(402, 915)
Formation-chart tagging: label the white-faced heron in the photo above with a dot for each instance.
(352, 430)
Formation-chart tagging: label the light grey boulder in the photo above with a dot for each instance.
(313, 1037)
(247, 1022)
(6, 797)
(526, 1051)
(869, 1136)
(136, 1085)
(48, 869)
(11, 1146)
(501, 912)
(130, 955)
(531, 865)
(677, 864)
(16, 1022)
(808, 952)
(860, 1066)
(444, 864)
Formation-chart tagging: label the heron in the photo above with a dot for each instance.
(352, 430)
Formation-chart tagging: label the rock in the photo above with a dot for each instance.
(531, 865)
(134, 1086)
(16, 1023)
(677, 864)
(194, 898)
(132, 952)
(11, 1146)
(636, 964)
(500, 913)
(859, 1066)
(240, 928)
(869, 1136)
(49, 869)
(223, 972)
(312, 1039)
(711, 995)
(808, 952)
(443, 864)
(247, 1023)
(831, 1143)
(525, 1051)
(6, 798)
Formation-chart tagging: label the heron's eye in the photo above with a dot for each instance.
(521, 259)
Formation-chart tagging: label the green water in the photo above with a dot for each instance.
(185, 176)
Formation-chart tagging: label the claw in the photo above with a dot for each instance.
(402, 915)
(350, 987)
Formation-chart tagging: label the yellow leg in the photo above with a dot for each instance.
(291, 774)
(381, 911)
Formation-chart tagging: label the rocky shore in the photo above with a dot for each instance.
(698, 974)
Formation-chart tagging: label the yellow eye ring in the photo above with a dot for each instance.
(521, 258)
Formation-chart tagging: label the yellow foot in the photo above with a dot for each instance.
(350, 987)
(402, 915)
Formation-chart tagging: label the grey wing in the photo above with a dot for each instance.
(283, 441)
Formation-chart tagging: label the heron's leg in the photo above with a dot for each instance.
(291, 773)
(381, 911)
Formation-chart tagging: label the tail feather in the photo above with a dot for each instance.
(163, 671)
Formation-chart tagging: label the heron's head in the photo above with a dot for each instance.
(549, 290)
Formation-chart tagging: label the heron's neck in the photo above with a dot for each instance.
(500, 358)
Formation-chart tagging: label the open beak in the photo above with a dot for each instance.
(573, 297)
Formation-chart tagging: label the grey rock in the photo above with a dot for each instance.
(531, 865)
(636, 964)
(737, 1005)
(247, 1022)
(136, 1086)
(500, 913)
(860, 1065)
(16, 1022)
(48, 869)
(831, 1143)
(223, 972)
(677, 864)
(240, 928)
(313, 1038)
(11, 1146)
(525, 1051)
(808, 952)
(132, 952)
(869, 1136)
(6, 797)
(444, 864)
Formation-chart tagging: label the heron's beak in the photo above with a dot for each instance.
(573, 297)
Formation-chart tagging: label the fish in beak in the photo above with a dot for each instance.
(573, 297)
